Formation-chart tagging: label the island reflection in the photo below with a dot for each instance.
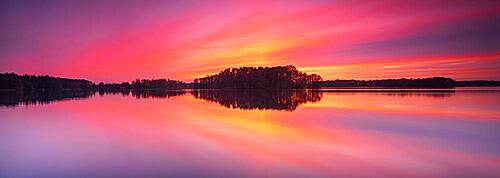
(287, 100)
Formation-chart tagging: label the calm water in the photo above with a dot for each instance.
(210, 133)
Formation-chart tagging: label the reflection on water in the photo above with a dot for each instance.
(14, 98)
(328, 134)
(157, 93)
(237, 99)
(140, 94)
(402, 94)
(259, 99)
(287, 100)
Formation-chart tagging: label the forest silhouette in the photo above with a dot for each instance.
(280, 88)
(280, 77)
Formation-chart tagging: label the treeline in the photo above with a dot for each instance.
(143, 84)
(434, 82)
(478, 83)
(11, 81)
(280, 77)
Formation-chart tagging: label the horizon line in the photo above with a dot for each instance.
(55, 76)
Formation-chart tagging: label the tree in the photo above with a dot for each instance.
(280, 77)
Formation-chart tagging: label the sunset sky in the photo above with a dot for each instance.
(115, 41)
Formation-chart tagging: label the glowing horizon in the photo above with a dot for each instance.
(116, 41)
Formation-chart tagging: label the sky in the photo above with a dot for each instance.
(114, 41)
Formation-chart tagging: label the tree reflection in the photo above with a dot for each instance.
(14, 98)
(157, 93)
(394, 92)
(139, 94)
(259, 99)
(287, 100)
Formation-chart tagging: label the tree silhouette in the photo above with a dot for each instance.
(11, 81)
(434, 82)
(280, 77)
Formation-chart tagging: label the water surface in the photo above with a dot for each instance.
(216, 133)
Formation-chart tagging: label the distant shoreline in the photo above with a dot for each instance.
(246, 78)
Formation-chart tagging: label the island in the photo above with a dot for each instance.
(275, 78)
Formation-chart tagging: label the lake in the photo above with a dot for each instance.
(221, 133)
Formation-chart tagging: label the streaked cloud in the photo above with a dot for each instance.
(116, 41)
